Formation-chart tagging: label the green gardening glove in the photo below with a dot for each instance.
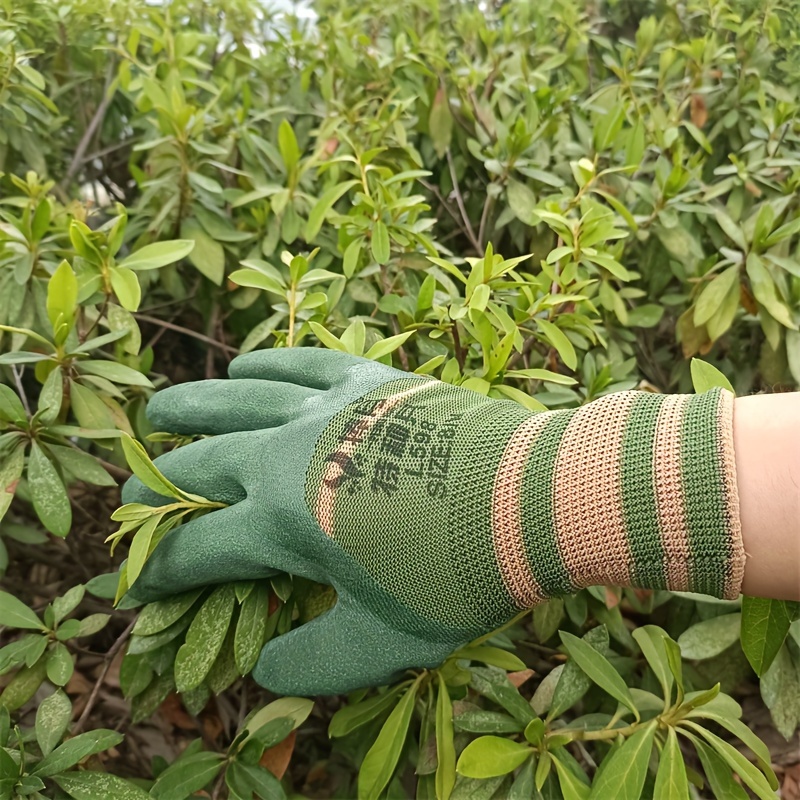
(436, 513)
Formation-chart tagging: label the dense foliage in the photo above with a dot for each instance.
(183, 181)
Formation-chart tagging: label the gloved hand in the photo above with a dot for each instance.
(435, 512)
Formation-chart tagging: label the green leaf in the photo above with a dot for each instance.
(186, 776)
(493, 656)
(208, 255)
(379, 243)
(710, 637)
(705, 376)
(650, 639)
(68, 630)
(223, 671)
(573, 781)
(732, 230)
(325, 203)
(140, 548)
(489, 756)
(714, 294)
(749, 774)
(11, 408)
(246, 779)
(23, 685)
(204, 638)
(386, 346)
(68, 602)
(481, 721)
(445, 748)
(765, 624)
(118, 373)
(766, 292)
(523, 787)
(251, 628)
(153, 256)
(75, 750)
(146, 471)
(726, 712)
(780, 689)
(81, 465)
(287, 144)
(97, 342)
(623, 777)
(598, 669)
(494, 684)
(351, 256)
(94, 785)
(718, 774)
(103, 586)
(326, 337)
(381, 759)
(440, 122)
(296, 708)
(90, 411)
(156, 617)
(258, 280)
(9, 775)
(92, 624)
(51, 397)
(558, 339)
(52, 719)
(50, 499)
(350, 717)
(62, 297)
(10, 473)
(671, 780)
(126, 286)
(521, 200)
(59, 665)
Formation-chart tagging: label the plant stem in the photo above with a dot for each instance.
(109, 657)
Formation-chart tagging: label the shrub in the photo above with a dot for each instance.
(187, 181)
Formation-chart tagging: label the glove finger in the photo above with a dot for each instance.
(212, 468)
(304, 366)
(343, 649)
(220, 547)
(224, 406)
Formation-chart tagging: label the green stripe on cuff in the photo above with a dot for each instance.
(638, 493)
(704, 489)
(539, 528)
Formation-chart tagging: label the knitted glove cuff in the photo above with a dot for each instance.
(633, 489)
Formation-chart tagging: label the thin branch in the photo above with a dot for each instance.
(80, 151)
(108, 658)
(434, 190)
(20, 388)
(178, 329)
(461, 207)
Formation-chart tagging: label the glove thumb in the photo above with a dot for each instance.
(343, 649)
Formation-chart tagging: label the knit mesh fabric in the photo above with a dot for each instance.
(467, 509)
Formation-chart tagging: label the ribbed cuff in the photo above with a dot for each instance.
(634, 489)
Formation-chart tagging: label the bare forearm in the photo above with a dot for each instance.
(766, 434)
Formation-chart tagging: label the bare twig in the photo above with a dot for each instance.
(107, 659)
(434, 190)
(20, 388)
(461, 207)
(80, 151)
(117, 472)
(178, 329)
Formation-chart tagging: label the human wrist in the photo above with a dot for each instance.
(766, 432)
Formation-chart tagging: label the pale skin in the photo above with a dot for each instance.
(766, 437)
